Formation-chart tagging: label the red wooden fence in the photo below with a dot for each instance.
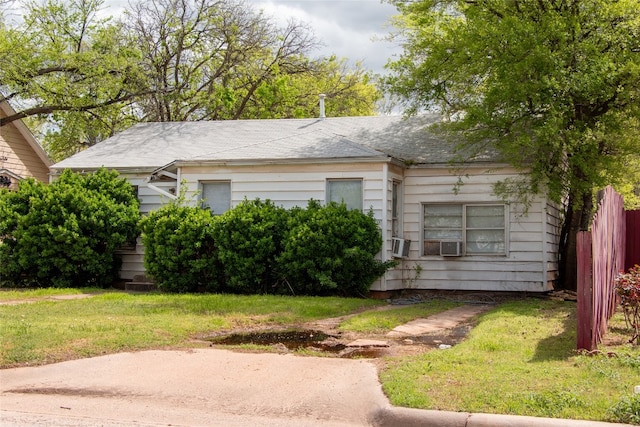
(633, 239)
(601, 257)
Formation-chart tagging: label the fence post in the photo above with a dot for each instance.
(585, 299)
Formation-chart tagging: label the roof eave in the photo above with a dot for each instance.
(276, 161)
(88, 169)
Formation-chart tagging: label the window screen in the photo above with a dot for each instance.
(216, 196)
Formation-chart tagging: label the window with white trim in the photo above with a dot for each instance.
(216, 196)
(396, 202)
(480, 228)
(348, 191)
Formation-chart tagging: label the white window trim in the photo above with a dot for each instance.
(507, 233)
(400, 208)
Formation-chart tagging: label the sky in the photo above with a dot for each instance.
(348, 28)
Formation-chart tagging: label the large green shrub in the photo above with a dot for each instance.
(65, 234)
(258, 247)
(331, 251)
(249, 240)
(180, 251)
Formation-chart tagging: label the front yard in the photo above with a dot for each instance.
(518, 359)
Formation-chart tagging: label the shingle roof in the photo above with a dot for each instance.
(152, 145)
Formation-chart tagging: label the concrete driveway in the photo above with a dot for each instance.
(194, 388)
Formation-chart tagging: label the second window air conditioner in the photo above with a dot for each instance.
(450, 248)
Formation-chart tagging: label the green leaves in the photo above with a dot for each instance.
(66, 233)
(258, 247)
(549, 84)
(180, 251)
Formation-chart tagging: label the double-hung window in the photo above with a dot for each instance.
(348, 191)
(480, 229)
(216, 196)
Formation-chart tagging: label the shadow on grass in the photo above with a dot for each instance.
(561, 345)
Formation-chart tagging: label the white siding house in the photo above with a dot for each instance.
(457, 240)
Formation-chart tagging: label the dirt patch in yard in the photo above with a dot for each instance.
(323, 337)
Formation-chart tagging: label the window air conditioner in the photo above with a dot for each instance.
(400, 247)
(450, 248)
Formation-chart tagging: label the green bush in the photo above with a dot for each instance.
(65, 234)
(258, 247)
(249, 240)
(180, 251)
(331, 251)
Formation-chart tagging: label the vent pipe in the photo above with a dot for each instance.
(322, 96)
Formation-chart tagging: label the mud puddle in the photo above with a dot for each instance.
(293, 340)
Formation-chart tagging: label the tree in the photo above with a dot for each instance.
(349, 92)
(220, 60)
(79, 79)
(64, 59)
(552, 85)
(65, 64)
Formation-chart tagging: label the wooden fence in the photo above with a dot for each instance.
(633, 239)
(601, 256)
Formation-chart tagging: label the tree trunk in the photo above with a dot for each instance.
(577, 218)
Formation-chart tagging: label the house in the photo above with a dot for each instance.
(467, 239)
(20, 154)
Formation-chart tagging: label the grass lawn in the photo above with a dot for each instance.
(519, 359)
(45, 331)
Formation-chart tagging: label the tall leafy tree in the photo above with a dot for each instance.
(64, 63)
(348, 91)
(217, 60)
(553, 85)
(62, 58)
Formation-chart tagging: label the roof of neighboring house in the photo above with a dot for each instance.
(153, 145)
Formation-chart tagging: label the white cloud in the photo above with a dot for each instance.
(354, 29)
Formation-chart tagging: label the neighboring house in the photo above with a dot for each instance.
(444, 239)
(20, 154)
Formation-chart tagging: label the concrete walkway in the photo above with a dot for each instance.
(209, 387)
(446, 320)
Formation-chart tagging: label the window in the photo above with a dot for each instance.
(216, 196)
(348, 191)
(395, 209)
(480, 228)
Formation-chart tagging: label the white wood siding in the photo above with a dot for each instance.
(530, 265)
(284, 185)
(522, 269)
(288, 185)
(150, 200)
(552, 227)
